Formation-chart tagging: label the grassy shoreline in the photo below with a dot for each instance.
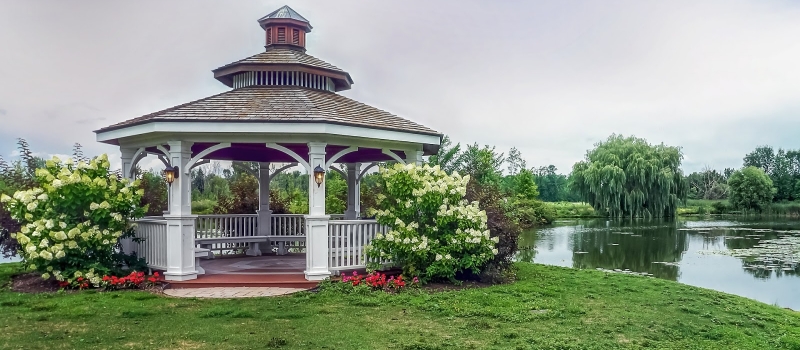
(548, 308)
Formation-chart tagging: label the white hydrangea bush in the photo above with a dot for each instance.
(72, 222)
(434, 232)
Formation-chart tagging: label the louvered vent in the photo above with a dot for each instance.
(283, 78)
(269, 36)
(281, 35)
(295, 37)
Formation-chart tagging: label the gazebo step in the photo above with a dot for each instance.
(247, 280)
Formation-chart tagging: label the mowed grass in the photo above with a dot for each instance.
(548, 308)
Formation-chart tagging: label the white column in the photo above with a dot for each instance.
(353, 191)
(180, 221)
(316, 220)
(264, 213)
(413, 157)
(128, 246)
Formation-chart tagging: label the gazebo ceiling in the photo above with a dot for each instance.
(258, 152)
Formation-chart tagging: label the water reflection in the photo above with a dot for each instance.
(683, 251)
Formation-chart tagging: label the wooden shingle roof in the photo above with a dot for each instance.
(285, 56)
(281, 104)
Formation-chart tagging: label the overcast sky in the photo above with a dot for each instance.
(551, 78)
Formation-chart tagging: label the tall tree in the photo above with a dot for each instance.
(515, 161)
(484, 164)
(762, 157)
(626, 176)
(448, 157)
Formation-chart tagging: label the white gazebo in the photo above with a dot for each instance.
(283, 108)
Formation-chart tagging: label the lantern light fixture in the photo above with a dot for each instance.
(170, 174)
(319, 175)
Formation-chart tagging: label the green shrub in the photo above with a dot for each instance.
(203, 206)
(720, 208)
(434, 233)
(70, 226)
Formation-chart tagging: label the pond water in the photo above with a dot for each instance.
(758, 259)
(5, 260)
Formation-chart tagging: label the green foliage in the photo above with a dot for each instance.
(448, 157)
(434, 233)
(553, 187)
(783, 168)
(71, 224)
(628, 177)
(243, 198)
(504, 229)
(572, 210)
(20, 175)
(523, 205)
(751, 189)
(154, 199)
(484, 164)
(335, 193)
(203, 206)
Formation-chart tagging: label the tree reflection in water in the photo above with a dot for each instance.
(654, 246)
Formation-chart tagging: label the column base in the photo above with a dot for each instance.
(174, 276)
(317, 275)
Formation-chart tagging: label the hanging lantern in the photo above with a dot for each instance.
(170, 174)
(319, 175)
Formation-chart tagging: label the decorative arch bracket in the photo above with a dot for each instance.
(292, 154)
(341, 153)
(366, 168)
(200, 162)
(137, 157)
(281, 169)
(394, 156)
(204, 153)
(344, 175)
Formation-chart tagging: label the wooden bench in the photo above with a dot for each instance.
(198, 254)
(252, 242)
(281, 240)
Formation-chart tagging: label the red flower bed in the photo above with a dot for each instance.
(131, 281)
(380, 281)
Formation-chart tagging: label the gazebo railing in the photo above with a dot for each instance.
(226, 225)
(346, 242)
(243, 225)
(152, 233)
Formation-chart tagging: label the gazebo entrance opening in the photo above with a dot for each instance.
(283, 107)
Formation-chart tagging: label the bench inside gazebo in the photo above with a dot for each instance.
(283, 109)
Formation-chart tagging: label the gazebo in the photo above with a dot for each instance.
(282, 107)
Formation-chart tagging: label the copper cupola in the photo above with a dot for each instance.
(285, 27)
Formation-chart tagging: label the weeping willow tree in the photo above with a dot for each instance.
(628, 177)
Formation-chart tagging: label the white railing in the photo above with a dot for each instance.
(226, 225)
(152, 246)
(288, 225)
(346, 241)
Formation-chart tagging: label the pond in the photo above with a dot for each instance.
(753, 258)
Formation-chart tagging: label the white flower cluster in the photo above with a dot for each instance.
(412, 243)
(46, 234)
(431, 224)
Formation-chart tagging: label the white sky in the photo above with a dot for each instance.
(550, 78)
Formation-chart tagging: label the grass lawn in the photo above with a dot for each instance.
(548, 308)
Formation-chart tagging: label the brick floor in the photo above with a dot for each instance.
(230, 292)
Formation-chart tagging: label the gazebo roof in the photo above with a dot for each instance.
(279, 94)
(284, 104)
(279, 55)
